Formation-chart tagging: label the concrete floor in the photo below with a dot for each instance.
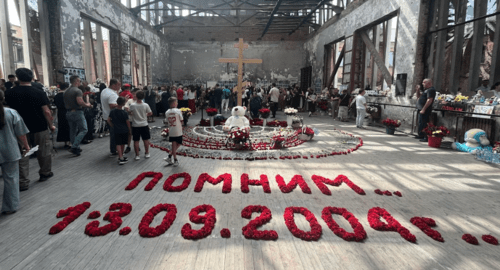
(458, 192)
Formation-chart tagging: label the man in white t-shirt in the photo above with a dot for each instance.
(174, 118)
(274, 96)
(140, 129)
(361, 108)
(108, 102)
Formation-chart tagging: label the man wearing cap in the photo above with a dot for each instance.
(126, 91)
(484, 86)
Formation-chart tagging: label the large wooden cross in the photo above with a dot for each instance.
(240, 60)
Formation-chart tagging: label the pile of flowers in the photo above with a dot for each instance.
(312, 235)
(359, 232)
(391, 123)
(277, 123)
(392, 224)
(69, 215)
(425, 225)
(277, 142)
(239, 135)
(308, 131)
(211, 111)
(194, 216)
(264, 113)
(250, 230)
(164, 132)
(435, 131)
(290, 111)
(115, 219)
(186, 112)
(144, 227)
(256, 122)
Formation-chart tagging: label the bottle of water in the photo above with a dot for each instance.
(496, 158)
(488, 156)
(479, 154)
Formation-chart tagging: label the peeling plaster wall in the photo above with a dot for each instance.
(363, 15)
(113, 14)
(199, 61)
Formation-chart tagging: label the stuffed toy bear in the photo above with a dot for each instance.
(475, 139)
(237, 119)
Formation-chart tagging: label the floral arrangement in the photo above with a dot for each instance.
(211, 111)
(171, 179)
(391, 123)
(156, 178)
(321, 181)
(144, 227)
(371, 109)
(374, 216)
(460, 98)
(296, 179)
(250, 230)
(291, 111)
(277, 123)
(496, 147)
(323, 105)
(277, 142)
(115, 219)
(256, 122)
(308, 131)
(434, 131)
(239, 135)
(264, 113)
(164, 132)
(425, 225)
(245, 182)
(205, 177)
(359, 232)
(69, 214)
(312, 235)
(194, 216)
(186, 112)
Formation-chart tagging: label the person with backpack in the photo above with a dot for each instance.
(225, 98)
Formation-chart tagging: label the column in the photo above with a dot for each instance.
(444, 7)
(495, 61)
(376, 42)
(99, 49)
(87, 37)
(458, 43)
(24, 18)
(480, 8)
(7, 54)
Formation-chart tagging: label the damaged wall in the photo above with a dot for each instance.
(361, 14)
(199, 61)
(111, 14)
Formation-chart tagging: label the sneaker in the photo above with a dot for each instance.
(147, 155)
(137, 158)
(75, 152)
(46, 177)
(127, 150)
(122, 161)
(176, 163)
(168, 160)
(113, 154)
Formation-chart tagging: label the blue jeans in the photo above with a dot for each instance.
(423, 120)
(10, 175)
(77, 127)
(112, 142)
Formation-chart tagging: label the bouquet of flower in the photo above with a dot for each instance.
(211, 111)
(277, 142)
(460, 98)
(308, 131)
(306, 134)
(256, 122)
(434, 131)
(391, 123)
(264, 113)
(496, 147)
(164, 132)
(371, 109)
(290, 111)
(239, 135)
(323, 105)
(186, 112)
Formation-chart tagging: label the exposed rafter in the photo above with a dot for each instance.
(313, 11)
(271, 18)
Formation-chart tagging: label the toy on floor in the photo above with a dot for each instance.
(475, 139)
(237, 119)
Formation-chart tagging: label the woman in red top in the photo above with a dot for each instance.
(126, 92)
(180, 96)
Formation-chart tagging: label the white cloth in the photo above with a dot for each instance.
(139, 115)
(360, 102)
(174, 118)
(108, 96)
(192, 95)
(274, 94)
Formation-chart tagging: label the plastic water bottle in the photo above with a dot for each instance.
(488, 156)
(496, 158)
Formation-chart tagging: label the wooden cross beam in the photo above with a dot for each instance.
(240, 61)
(378, 59)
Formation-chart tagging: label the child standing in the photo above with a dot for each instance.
(174, 118)
(140, 112)
(118, 119)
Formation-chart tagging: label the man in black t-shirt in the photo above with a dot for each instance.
(32, 104)
(218, 97)
(9, 84)
(424, 105)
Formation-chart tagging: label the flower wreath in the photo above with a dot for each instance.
(264, 182)
(144, 227)
(205, 177)
(296, 179)
(359, 232)
(69, 214)
(93, 229)
(171, 179)
(250, 230)
(425, 225)
(374, 215)
(208, 219)
(156, 178)
(312, 235)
